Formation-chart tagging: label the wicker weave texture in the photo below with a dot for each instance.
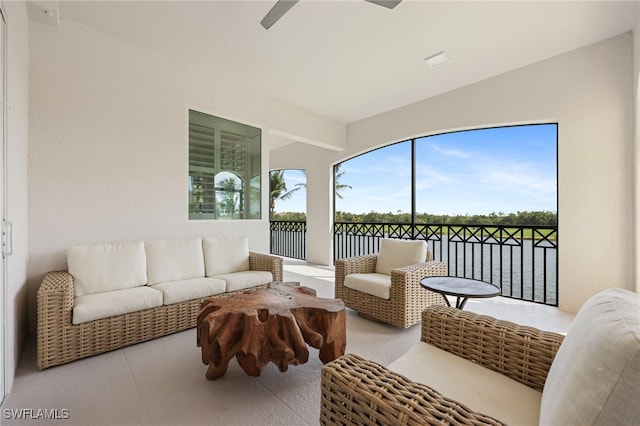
(520, 352)
(59, 341)
(407, 297)
(266, 262)
(356, 391)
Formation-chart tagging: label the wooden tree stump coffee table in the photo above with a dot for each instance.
(273, 324)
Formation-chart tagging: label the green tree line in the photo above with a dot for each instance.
(521, 218)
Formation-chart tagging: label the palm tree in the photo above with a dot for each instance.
(229, 201)
(337, 174)
(278, 189)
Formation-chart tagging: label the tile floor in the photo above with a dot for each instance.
(162, 382)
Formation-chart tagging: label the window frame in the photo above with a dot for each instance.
(228, 159)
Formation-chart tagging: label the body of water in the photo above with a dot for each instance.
(524, 269)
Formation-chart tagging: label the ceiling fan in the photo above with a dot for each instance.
(282, 6)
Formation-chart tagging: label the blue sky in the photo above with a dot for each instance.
(501, 170)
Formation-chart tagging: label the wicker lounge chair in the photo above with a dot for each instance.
(406, 298)
(517, 374)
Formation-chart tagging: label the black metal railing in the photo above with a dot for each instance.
(521, 260)
(289, 238)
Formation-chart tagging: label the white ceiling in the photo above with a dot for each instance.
(350, 59)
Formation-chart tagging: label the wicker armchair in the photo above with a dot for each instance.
(356, 391)
(517, 374)
(407, 298)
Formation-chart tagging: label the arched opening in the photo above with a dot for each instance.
(228, 195)
(288, 212)
(485, 200)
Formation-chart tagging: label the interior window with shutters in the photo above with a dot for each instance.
(224, 169)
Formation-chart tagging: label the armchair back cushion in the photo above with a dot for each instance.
(225, 255)
(595, 376)
(398, 253)
(174, 260)
(107, 267)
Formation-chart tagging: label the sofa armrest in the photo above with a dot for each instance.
(266, 262)
(356, 391)
(520, 352)
(54, 310)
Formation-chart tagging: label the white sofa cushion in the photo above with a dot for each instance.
(473, 385)
(224, 255)
(595, 376)
(111, 303)
(174, 260)
(107, 267)
(247, 279)
(194, 288)
(378, 285)
(397, 253)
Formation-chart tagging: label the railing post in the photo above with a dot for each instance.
(413, 189)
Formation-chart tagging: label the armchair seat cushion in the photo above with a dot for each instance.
(479, 388)
(246, 279)
(111, 303)
(194, 288)
(375, 284)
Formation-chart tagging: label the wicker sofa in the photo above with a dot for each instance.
(115, 295)
(474, 369)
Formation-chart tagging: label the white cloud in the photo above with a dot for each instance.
(428, 178)
(520, 176)
(450, 152)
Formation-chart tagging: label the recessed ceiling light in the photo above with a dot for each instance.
(437, 59)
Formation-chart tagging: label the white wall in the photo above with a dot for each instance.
(589, 93)
(108, 143)
(318, 163)
(636, 91)
(17, 137)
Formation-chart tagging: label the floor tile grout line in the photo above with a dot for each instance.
(149, 419)
(282, 401)
(232, 414)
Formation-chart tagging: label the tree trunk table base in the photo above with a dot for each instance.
(273, 324)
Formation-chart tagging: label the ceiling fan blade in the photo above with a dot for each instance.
(389, 4)
(280, 8)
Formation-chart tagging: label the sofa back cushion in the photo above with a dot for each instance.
(595, 376)
(224, 255)
(107, 267)
(174, 260)
(397, 253)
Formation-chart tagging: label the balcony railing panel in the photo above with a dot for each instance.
(521, 260)
(289, 238)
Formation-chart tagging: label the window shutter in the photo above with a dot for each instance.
(202, 156)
